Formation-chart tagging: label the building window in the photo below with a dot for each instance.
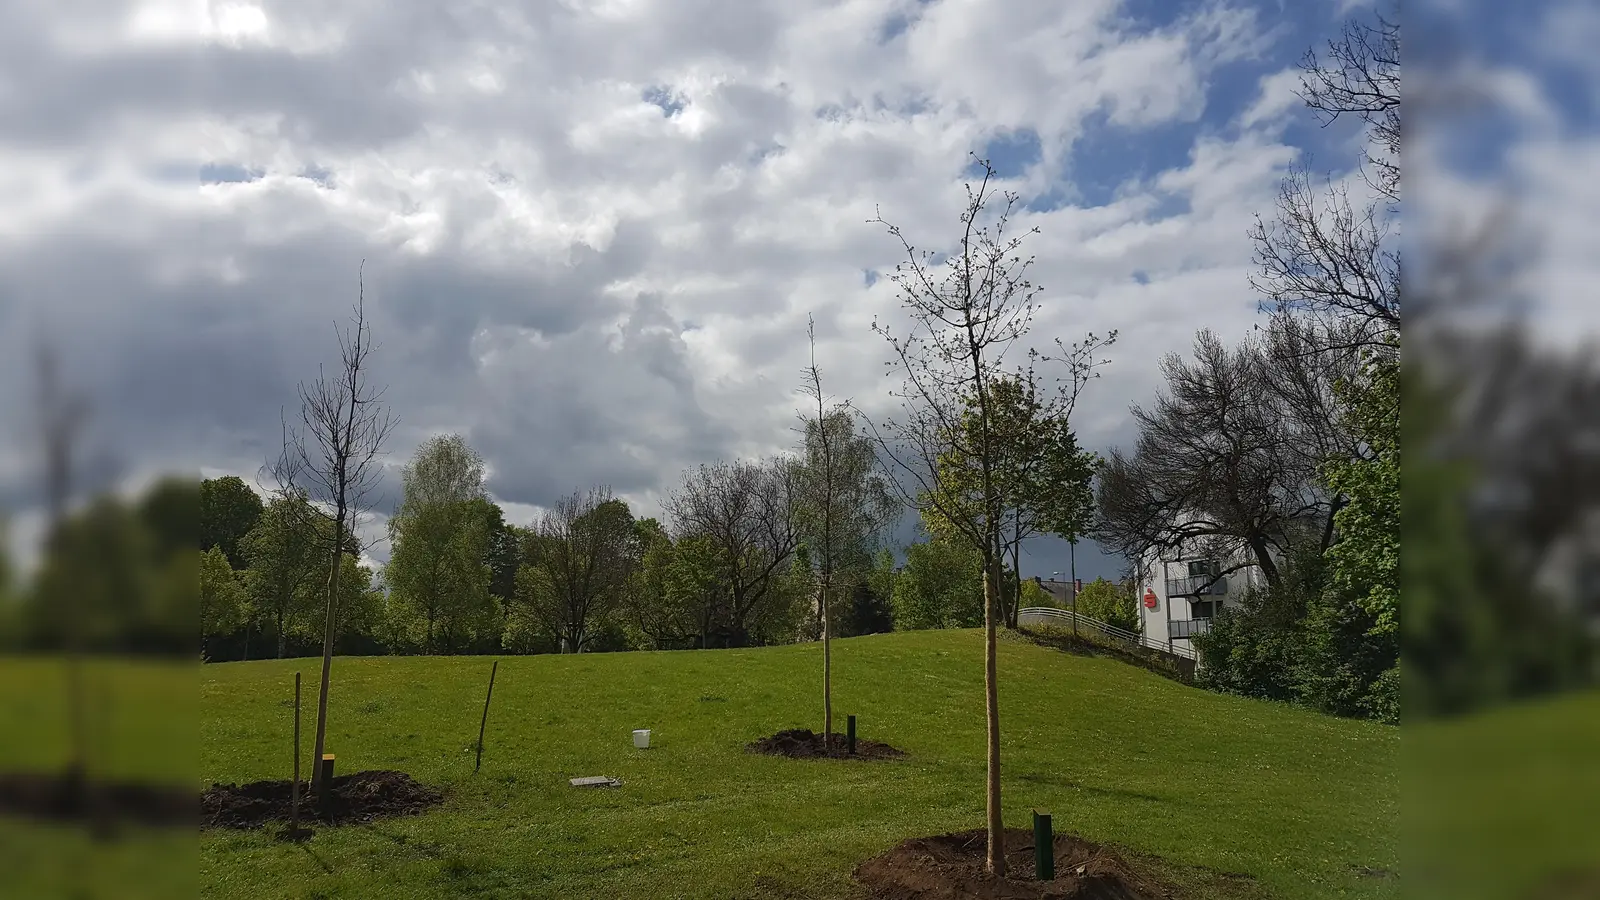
(1204, 609)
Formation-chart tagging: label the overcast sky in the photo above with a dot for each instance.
(593, 231)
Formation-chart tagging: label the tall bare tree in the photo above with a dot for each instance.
(1227, 459)
(580, 558)
(1325, 258)
(842, 504)
(966, 311)
(335, 454)
(746, 511)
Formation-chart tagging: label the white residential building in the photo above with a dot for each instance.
(1178, 596)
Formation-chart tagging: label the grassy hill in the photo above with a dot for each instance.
(1306, 804)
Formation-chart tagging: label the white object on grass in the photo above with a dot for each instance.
(641, 738)
(596, 781)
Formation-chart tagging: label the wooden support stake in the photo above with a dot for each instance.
(850, 735)
(1044, 847)
(481, 725)
(294, 787)
(325, 784)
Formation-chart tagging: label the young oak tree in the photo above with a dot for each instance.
(335, 455)
(842, 505)
(963, 320)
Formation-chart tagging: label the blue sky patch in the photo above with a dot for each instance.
(1013, 152)
(663, 98)
(322, 177)
(228, 173)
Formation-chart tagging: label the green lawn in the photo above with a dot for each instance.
(141, 719)
(1500, 804)
(1299, 801)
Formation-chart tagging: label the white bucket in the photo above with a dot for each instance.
(641, 738)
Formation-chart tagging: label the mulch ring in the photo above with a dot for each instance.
(61, 797)
(803, 743)
(950, 867)
(357, 797)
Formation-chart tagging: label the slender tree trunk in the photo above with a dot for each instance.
(996, 822)
(282, 644)
(327, 649)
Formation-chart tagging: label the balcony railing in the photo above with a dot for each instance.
(1192, 586)
(1184, 628)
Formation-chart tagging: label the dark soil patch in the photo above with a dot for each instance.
(63, 797)
(803, 743)
(357, 797)
(950, 867)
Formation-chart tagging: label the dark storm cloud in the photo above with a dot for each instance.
(594, 407)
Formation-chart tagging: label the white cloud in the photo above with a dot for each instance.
(1278, 94)
(594, 290)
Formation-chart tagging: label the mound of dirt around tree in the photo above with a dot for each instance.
(358, 797)
(803, 743)
(950, 867)
(61, 797)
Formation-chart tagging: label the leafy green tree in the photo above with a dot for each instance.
(361, 607)
(869, 611)
(6, 573)
(652, 619)
(286, 552)
(697, 589)
(1475, 631)
(883, 576)
(229, 508)
(1365, 560)
(1033, 595)
(127, 594)
(170, 512)
(1304, 640)
(440, 539)
(504, 548)
(1255, 648)
(940, 586)
(222, 596)
(1111, 603)
(1042, 475)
